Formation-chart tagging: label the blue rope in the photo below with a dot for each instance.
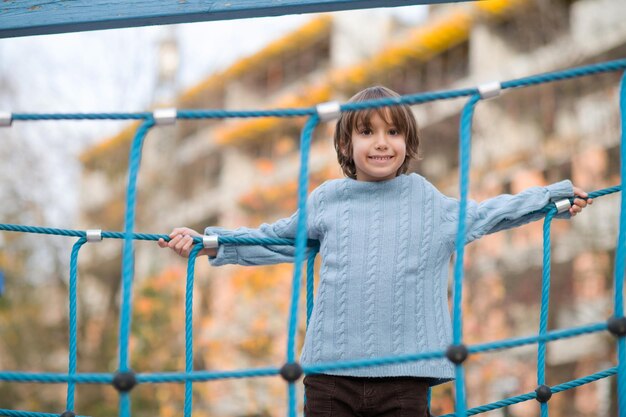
(55, 378)
(128, 257)
(222, 240)
(191, 265)
(73, 327)
(17, 413)
(545, 305)
(128, 250)
(301, 239)
(457, 320)
(620, 260)
(203, 376)
(197, 376)
(301, 233)
(301, 242)
(548, 337)
(532, 395)
(610, 66)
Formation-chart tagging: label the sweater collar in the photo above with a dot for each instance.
(376, 185)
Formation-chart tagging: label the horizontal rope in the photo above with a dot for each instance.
(151, 237)
(610, 66)
(190, 375)
(18, 413)
(222, 239)
(99, 378)
(532, 395)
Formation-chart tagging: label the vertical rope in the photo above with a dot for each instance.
(465, 137)
(301, 242)
(545, 306)
(310, 283)
(124, 404)
(620, 259)
(71, 386)
(128, 262)
(457, 325)
(310, 287)
(292, 400)
(191, 265)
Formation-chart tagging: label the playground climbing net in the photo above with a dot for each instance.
(124, 380)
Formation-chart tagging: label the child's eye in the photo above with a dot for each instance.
(394, 132)
(365, 131)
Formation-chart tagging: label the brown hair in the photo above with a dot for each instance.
(400, 116)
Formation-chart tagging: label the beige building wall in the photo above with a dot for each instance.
(243, 172)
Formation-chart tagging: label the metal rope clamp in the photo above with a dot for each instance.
(328, 111)
(94, 235)
(165, 116)
(210, 241)
(562, 205)
(6, 119)
(490, 90)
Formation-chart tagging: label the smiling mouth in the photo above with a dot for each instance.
(380, 158)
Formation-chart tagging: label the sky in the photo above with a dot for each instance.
(104, 71)
(114, 70)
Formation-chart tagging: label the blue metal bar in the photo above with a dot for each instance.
(34, 17)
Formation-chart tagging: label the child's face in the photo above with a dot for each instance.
(378, 149)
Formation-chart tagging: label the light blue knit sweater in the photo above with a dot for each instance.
(385, 248)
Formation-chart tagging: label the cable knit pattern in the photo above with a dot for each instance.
(386, 248)
(318, 215)
(321, 292)
(442, 337)
(372, 257)
(399, 270)
(426, 239)
(343, 229)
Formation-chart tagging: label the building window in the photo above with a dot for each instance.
(536, 25)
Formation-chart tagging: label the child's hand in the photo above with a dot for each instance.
(579, 203)
(181, 242)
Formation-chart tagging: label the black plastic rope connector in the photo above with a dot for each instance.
(457, 353)
(544, 393)
(124, 381)
(68, 413)
(291, 372)
(617, 326)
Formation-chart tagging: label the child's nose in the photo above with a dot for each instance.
(381, 141)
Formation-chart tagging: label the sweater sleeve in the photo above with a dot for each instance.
(505, 211)
(263, 255)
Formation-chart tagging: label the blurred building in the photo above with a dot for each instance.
(244, 172)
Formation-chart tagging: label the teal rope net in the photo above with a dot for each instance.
(125, 378)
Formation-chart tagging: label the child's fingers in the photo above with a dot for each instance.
(580, 192)
(181, 240)
(179, 231)
(180, 243)
(187, 246)
(580, 202)
(174, 241)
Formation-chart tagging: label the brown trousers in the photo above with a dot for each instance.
(340, 396)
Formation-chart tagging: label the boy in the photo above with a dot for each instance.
(386, 241)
